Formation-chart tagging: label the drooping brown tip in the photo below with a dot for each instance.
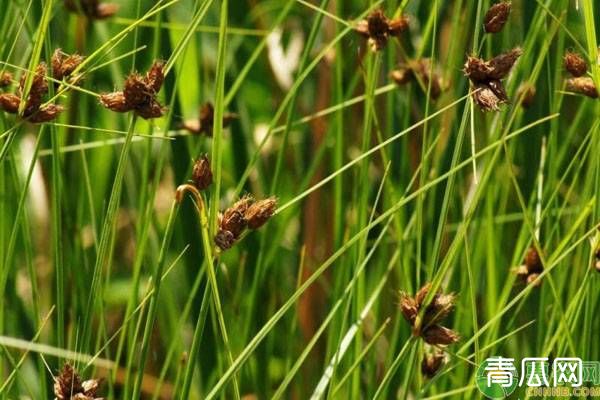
(201, 173)
(575, 64)
(496, 17)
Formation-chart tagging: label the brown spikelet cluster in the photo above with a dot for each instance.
(377, 29)
(526, 94)
(92, 9)
(425, 319)
(35, 111)
(575, 64)
(431, 363)
(419, 70)
(597, 259)
(583, 85)
(244, 213)
(206, 120)
(5, 79)
(486, 77)
(201, 173)
(139, 94)
(63, 65)
(577, 67)
(531, 268)
(68, 386)
(496, 17)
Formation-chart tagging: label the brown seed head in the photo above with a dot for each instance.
(92, 9)
(46, 113)
(503, 63)
(597, 260)
(137, 93)
(150, 110)
(408, 307)
(432, 363)
(496, 17)
(486, 98)
(532, 261)
(5, 79)
(156, 75)
(115, 101)
(233, 221)
(63, 64)
(10, 103)
(583, 85)
(439, 335)
(398, 25)
(67, 383)
(260, 212)
(201, 173)
(402, 75)
(427, 325)
(106, 10)
(224, 239)
(476, 69)
(575, 64)
(39, 88)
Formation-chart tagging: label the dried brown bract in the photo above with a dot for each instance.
(68, 386)
(206, 120)
(201, 173)
(486, 77)
(426, 322)
(531, 268)
(583, 85)
(64, 64)
(92, 9)
(419, 70)
(575, 64)
(377, 29)
(5, 79)
(260, 212)
(34, 111)
(244, 213)
(139, 94)
(432, 363)
(526, 94)
(496, 17)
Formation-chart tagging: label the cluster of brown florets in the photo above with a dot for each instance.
(35, 110)
(205, 122)
(377, 29)
(419, 70)
(92, 9)
(532, 267)
(202, 175)
(596, 262)
(486, 78)
(139, 94)
(579, 83)
(425, 319)
(496, 17)
(432, 362)
(69, 386)
(244, 213)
